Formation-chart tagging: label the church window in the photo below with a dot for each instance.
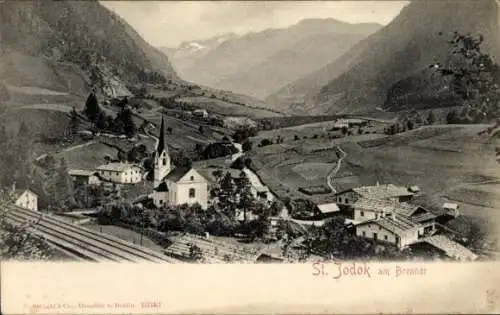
(192, 192)
(192, 178)
(164, 162)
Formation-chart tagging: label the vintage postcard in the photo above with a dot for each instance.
(166, 157)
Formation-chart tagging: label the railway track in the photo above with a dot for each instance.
(86, 244)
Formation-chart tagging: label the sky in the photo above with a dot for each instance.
(169, 23)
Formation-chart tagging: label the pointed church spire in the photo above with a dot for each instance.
(161, 139)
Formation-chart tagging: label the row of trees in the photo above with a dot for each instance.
(230, 195)
(122, 123)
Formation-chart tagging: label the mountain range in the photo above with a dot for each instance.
(260, 63)
(183, 56)
(360, 80)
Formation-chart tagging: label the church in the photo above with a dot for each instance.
(176, 185)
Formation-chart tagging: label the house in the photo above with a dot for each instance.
(377, 192)
(392, 229)
(200, 113)
(369, 209)
(340, 123)
(84, 177)
(181, 185)
(328, 208)
(356, 122)
(120, 173)
(26, 199)
(451, 207)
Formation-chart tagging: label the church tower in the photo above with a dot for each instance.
(162, 160)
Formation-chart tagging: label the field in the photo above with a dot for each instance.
(87, 157)
(217, 101)
(227, 108)
(451, 163)
(319, 130)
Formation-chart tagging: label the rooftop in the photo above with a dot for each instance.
(19, 191)
(328, 208)
(116, 167)
(397, 224)
(74, 172)
(451, 248)
(382, 191)
(177, 173)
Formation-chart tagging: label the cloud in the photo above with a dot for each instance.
(170, 23)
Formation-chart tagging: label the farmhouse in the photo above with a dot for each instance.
(356, 122)
(377, 192)
(340, 123)
(84, 177)
(393, 229)
(182, 185)
(121, 173)
(200, 113)
(26, 199)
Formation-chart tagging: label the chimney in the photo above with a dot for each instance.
(14, 186)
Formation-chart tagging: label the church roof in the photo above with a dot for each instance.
(177, 173)
(162, 146)
(162, 187)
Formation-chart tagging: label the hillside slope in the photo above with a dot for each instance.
(73, 45)
(359, 80)
(258, 64)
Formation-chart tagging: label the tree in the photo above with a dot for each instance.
(124, 123)
(431, 119)
(452, 117)
(246, 200)
(180, 159)
(74, 122)
(238, 164)
(102, 121)
(247, 145)
(409, 124)
(61, 187)
(92, 108)
(195, 253)
(265, 142)
(474, 75)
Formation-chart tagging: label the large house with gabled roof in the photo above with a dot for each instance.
(176, 185)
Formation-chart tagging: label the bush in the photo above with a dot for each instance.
(265, 142)
(218, 149)
(244, 133)
(247, 145)
(238, 164)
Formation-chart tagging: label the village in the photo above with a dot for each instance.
(195, 213)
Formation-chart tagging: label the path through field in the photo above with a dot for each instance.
(334, 171)
(68, 149)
